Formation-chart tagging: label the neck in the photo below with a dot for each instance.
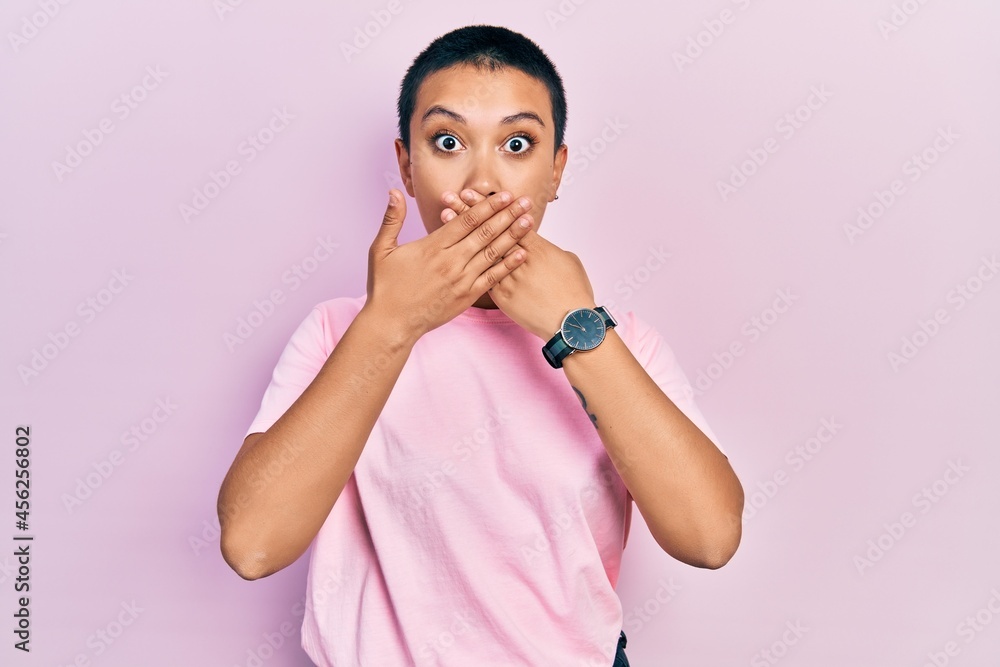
(485, 301)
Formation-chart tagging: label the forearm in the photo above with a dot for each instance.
(283, 484)
(682, 484)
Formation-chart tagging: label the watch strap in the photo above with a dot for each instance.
(556, 350)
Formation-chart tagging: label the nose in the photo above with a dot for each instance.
(484, 167)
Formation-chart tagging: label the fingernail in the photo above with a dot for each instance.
(505, 197)
(524, 201)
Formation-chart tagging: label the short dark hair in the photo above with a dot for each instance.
(485, 47)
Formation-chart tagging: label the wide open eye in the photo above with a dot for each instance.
(520, 144)
(445, 142)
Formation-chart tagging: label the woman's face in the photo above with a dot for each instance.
(483, 131)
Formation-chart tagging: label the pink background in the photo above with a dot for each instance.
(898, 427)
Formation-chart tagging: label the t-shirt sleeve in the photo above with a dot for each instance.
(656, 356)
(299, 363)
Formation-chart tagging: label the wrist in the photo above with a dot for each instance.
(393, 332)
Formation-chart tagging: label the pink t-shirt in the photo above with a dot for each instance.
(484, 522)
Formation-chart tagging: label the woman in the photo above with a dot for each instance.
(428, 436)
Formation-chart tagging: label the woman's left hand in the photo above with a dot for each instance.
(549, 283)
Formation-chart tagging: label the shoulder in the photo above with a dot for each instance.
(322, 327)
(340, 310)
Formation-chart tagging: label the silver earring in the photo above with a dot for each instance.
(557, 197)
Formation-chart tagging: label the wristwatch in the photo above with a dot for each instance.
(582, 329)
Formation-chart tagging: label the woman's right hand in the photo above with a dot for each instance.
(418, 286)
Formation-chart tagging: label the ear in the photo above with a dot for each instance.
(403, 158)
(559, 164)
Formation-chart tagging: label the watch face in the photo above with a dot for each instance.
(583, 329)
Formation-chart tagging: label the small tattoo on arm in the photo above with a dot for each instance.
(593, 417)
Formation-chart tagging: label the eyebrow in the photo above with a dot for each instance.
(438, 110)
